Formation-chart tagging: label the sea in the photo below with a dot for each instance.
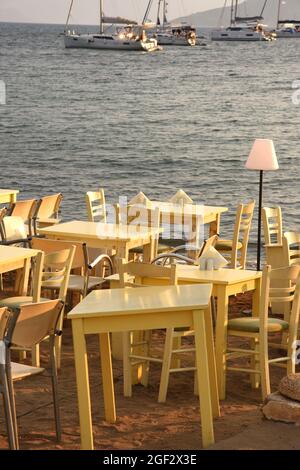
(78, 120)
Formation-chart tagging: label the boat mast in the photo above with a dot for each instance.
(165, 13)
(147, 11)
(69, 15)
(232, 12)
(236, 10)
(101, 16)
(278, 14)
(158, 13)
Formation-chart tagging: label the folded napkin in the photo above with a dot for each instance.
(140, 198)
(181, 198)
(211, 260)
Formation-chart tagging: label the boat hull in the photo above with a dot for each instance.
(169, 40)
(239, 36)
(87, 41)
(287, 34)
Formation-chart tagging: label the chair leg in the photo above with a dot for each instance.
(35, 355)
(165, 372)
(127, 377)
(213, 310)
(7, 409)
(11, 392)
(264, 367)
(196, 387)
(255, 378)
(55, 389)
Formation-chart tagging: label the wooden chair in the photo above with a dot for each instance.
(26, 328)
(272, 223)
(236, 249)
(14, 231)
(257, 329)
(47, 211)
(136, 348)
(83, 282)
(291, 248)
(26, 210)
(50, 270)
(96, 206)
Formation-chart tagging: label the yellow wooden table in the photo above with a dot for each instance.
(14, 258)
(226, 282)
(106, 311)
(121, 238)
(8, 196)
(171, 213)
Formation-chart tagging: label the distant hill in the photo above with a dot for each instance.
(211, 18)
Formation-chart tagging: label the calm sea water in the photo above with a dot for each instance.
(76, 120)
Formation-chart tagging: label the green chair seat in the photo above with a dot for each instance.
(226, 245)
(14, 303)
(251, 325)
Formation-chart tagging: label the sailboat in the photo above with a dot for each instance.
(130, 37)
(287, 28)
(247, 28)
(168, 34)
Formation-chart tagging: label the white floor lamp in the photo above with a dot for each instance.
(262, 158)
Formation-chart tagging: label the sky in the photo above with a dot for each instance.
(87, 11)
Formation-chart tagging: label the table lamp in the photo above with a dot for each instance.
(262, 158)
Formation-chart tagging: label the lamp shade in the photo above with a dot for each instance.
(262, 156)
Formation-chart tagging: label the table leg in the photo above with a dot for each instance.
(107, 378)
(83, 387)
(221, 339)
(24, 278)
(203, 377)
(212, 364)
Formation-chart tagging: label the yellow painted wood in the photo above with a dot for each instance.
(107, 378)
(83, 386)
(8, 196)
(203, 376)
(135, 309)
(121, 238)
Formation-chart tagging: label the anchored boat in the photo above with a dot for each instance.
(287, 28)
(129, 37)
(248, 28)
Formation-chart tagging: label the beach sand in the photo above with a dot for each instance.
(143, 423)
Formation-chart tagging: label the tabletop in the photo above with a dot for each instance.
(95, 230)
(10, 254)
(8, 191)
(103, 303)
(193, 209)
(188, 273)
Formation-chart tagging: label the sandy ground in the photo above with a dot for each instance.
(143, 423)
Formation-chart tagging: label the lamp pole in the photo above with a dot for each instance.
(261, 179)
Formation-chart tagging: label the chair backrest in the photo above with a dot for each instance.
(241, 234)
(80, 259)
(26, 210)
(96, 206)
(34, 323)
(48, 206)
(139, 271)
(4, 315)
(53, 269)
(3, 213)
(288, 295)
(272, 223)
(291, 248)
(14, 229)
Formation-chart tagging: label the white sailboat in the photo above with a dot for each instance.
(247, 28)
(168, 34)
(287, 28)
(130, 37)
